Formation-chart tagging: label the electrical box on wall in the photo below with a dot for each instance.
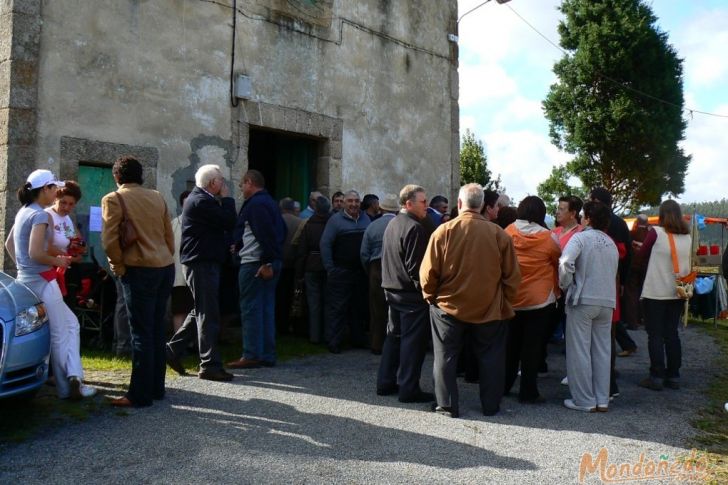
(243, 87)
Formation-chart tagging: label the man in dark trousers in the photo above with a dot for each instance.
(619, 232)
(470, 276)
(346, 282)
(403, 247)
(371, 260)
(207, 214)
(259, 235)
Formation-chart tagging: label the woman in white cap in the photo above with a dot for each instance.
(28, 245)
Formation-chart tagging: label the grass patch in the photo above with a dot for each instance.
(287, 348)
(712, 421)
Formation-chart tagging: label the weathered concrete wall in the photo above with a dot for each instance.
(20, 26)
(375, 78)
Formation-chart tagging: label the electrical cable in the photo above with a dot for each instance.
(233, 100)
(619, 83)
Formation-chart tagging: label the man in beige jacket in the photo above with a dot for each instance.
(146, 269)
(469, 276)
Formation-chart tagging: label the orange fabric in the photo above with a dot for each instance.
(538, 257)
(690, 277)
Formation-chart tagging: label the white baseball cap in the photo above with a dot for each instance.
(41, 178)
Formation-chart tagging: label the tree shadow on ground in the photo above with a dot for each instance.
(273, 427)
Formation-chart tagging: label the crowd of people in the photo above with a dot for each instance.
(483, 284)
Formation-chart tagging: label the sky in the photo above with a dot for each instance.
(506, 70)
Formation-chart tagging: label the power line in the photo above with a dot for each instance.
(614, 81)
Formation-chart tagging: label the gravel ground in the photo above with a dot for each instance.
(318, 420)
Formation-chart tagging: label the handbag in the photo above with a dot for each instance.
(684, 285)
(127, 232)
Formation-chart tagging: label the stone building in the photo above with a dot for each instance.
(317, 94)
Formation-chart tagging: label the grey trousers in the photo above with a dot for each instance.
(489, 346)
(588, 353)
(404, 347)
(203, 322)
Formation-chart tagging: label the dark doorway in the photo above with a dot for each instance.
(287, 161)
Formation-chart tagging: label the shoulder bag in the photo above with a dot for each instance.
(127, 232)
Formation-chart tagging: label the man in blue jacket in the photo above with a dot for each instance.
(259, 236)
(346, 281)
(207, 214)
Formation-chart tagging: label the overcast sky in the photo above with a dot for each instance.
(506, 70)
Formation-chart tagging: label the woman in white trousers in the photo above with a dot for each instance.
(28, 245)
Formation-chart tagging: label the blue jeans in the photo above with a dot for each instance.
(257, 310)
(146, 291)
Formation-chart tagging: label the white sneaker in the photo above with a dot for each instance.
(87, 391)
(569, 403)
(79, 390)
(725, 406)
(565, 381)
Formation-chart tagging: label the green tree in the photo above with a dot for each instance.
(474, 164)
(618, 102)
(557, 185)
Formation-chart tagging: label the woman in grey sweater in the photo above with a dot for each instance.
(587, 272)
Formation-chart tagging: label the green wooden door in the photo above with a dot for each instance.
(295, 161)
(95, 183)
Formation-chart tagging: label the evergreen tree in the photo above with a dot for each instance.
(557, 185)
(474, 164)
(605, 108)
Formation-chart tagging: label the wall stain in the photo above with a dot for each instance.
(204, 149)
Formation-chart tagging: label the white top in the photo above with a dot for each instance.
(588, 270)
(63, 230)
(660, 278)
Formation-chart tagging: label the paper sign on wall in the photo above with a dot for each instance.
(94, 219)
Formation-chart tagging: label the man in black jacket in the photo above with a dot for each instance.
(207, 214)
(403, 247)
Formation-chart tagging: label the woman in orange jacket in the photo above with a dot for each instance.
(538, 256)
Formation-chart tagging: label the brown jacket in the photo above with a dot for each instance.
(470, 270)
(148, 211)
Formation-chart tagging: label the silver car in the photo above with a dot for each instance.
(24, 339)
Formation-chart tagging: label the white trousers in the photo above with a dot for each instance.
(588, 353)
(65, 337)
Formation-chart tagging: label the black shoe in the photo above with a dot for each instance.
(537, 400)
(334, 349)
(387, 391)
(266, 363)
(173, 362)
(491, 413)
(418, 397)
(215, 375)
(650, 383)
(445, 411)
(671, 384)
(376, 352)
